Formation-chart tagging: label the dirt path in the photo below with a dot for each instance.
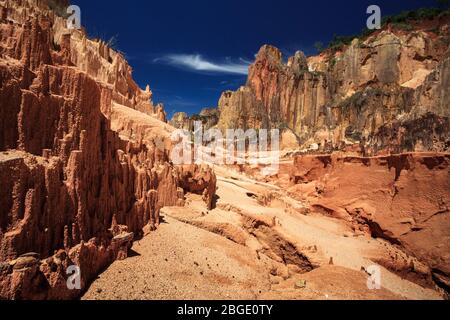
(252, 246)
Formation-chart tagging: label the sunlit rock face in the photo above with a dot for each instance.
(208, 117)
(374, 92)
(75, 189)
(403, 199)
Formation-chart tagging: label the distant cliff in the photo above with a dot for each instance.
(209, 118)
(82, 171)
(386, 92)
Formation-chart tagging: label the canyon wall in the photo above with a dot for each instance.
(378, 110)
(403, 199)
(82, 173)
(388, 92)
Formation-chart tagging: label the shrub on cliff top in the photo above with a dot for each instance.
(400, 21)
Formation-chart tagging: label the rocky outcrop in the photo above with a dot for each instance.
(33, 33)
(357, 95)
(209, 118)
(181, 120)
(81, 174)
(199, 180)
(403, 199)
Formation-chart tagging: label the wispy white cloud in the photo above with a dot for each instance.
(196, 62)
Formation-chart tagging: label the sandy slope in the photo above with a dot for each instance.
(248, 249)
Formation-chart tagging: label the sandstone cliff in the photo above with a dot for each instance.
(388, 92)
(83, 170)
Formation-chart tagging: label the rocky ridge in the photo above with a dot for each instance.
(209, 117)
(75, 192)
(387, 92)
(403, 199)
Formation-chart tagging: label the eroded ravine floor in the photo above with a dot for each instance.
(250, 247)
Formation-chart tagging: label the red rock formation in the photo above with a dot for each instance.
(144, 104)
(200, 180)
(360, 94)
(404, 199)
(74, 192)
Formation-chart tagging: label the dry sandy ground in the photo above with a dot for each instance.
(256, 244)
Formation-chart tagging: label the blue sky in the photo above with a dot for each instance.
(189, 52)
